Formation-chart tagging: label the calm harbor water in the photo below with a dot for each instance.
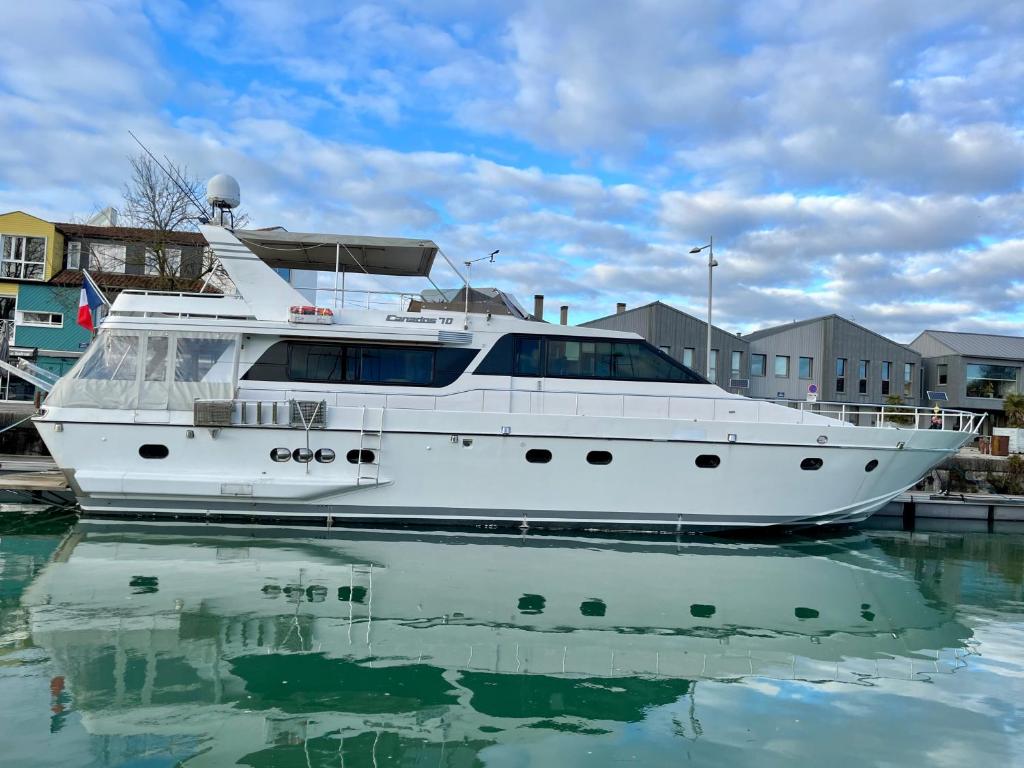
(152, 645)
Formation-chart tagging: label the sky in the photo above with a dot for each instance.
(864, 158)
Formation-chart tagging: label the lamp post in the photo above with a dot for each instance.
(469, 278)
(711, 265)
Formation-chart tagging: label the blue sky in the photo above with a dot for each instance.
(861, 158)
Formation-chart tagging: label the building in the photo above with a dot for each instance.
(975, 371)
(684, 337)
(843, 361)
(31, 252)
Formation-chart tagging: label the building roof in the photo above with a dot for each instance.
(755, 335)
(980, 344)
(130, 234)
(118, 281)
(660, 305)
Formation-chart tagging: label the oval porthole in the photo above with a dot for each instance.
(599, 457)
(354, 456)
(324, 455)
(538, 455)
(302, 455)
(707, 461)
(811, 464)
(281, 454)
(870, 466)
(153, 451)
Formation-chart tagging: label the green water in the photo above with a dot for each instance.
(157, 645)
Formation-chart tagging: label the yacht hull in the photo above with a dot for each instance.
(484, 478)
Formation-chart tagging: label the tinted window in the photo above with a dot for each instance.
(538, 455)
(361, 364)
(576, 358)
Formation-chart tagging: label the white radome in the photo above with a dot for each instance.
(222, 191)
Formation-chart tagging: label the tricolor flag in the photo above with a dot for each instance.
(90, 299)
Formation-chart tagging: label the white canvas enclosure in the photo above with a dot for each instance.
(151, 370)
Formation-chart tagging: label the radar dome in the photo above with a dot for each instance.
(222, 191)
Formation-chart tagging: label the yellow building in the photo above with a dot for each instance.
(31, 251)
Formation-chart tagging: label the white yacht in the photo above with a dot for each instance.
(255, 403)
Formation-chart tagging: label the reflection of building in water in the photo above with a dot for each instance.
(419, 643)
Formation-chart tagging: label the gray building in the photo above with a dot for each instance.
(844, 361)
(975, 370)
(684, 338)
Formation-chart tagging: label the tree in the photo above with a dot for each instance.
(898, 416)
(1013, 407)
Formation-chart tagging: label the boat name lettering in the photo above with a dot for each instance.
(431, 320)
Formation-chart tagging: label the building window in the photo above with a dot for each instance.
(688, 356)
(908, 379)
(107, 257)
(171, 266)
(862, 376)
(806, 367)
(782, 365)
(840, 374)
(996, 381)
(758, 364)
(44, 319)
(942, 371)
(886, 368)
(24, 258)
(736, 369)
(74, 255)
(713, 367)
(665, 348)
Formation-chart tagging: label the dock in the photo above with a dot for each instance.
(33, 479)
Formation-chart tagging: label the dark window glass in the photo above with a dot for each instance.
(361, 364)
(353, 456)
(153, 451)
(870, 466)
(538, 456)
(324, 455)
(811, 464)
(527, 362)
(707, 461)
(599, 457)
(758, 363)
(303, 455)
(281, 454)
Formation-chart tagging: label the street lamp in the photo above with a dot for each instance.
(469, 278)
(711, 265)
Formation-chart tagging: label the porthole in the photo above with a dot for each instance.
(324, 455)
(870, 466)
(599, 457)
(356, 456)
(538, 455)
(811, 464)
(707, 461)
(153, 451)
(302, 455)
(281, 454)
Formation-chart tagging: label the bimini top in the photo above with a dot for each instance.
(396, 256)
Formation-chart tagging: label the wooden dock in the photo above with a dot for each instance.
(33, 479)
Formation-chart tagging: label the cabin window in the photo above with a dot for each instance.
(153, 451)
(114, 359)
(707, 461)
(599, 457)
(363, 456)
(811, 464)
(581, 358)
(324, 455)
(281, 455)
(871, 465)
(156, 359)
(379, 364)
(538, 456)
(302, 455)
(206, 360)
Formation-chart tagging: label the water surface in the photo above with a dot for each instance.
(154, 644)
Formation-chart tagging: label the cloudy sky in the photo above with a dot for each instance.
(864, 158)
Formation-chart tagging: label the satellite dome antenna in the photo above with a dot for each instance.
(223, 195)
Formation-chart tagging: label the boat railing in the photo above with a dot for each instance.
(179, 294)
(253, 411)
(342, 298)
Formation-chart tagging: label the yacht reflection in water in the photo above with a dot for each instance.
(377, 645)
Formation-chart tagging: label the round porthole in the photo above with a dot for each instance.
(538, 455)
(281, 454)
(599, 457)
(811, 464)
(353, 456)
(324, 455)
(151, 451)
(707, 461)
(302, 455)
(870, 466)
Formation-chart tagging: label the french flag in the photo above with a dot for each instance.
(89, 300)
